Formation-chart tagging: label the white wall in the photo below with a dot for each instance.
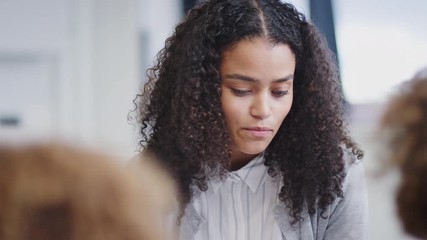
(32, 38)
(69, 69)
(156, 21)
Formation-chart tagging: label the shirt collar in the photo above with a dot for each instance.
(252, 174)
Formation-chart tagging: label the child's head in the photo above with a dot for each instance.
(405, 123)
(58, 192)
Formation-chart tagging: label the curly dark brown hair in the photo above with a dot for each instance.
(183, 123)
(406, 121)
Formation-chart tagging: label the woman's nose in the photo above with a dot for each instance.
(261, 107)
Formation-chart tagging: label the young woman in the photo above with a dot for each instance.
(244, 108)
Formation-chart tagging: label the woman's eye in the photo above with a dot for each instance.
(280, 93)
(240, 92)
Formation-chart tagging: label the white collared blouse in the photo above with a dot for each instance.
(240, 207)
(245, 206)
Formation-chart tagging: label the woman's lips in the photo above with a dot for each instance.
(259, 132)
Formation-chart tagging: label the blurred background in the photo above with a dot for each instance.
(69, 69)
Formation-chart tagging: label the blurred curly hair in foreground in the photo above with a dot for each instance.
(405, 123)
(56, 192)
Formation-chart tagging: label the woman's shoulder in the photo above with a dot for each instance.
(354, 168)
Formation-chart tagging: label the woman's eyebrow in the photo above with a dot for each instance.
(252, 79)
(284, 79)
(241, 77)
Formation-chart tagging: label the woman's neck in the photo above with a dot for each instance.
(240, 160)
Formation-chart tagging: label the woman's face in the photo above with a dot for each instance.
(257, 92)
